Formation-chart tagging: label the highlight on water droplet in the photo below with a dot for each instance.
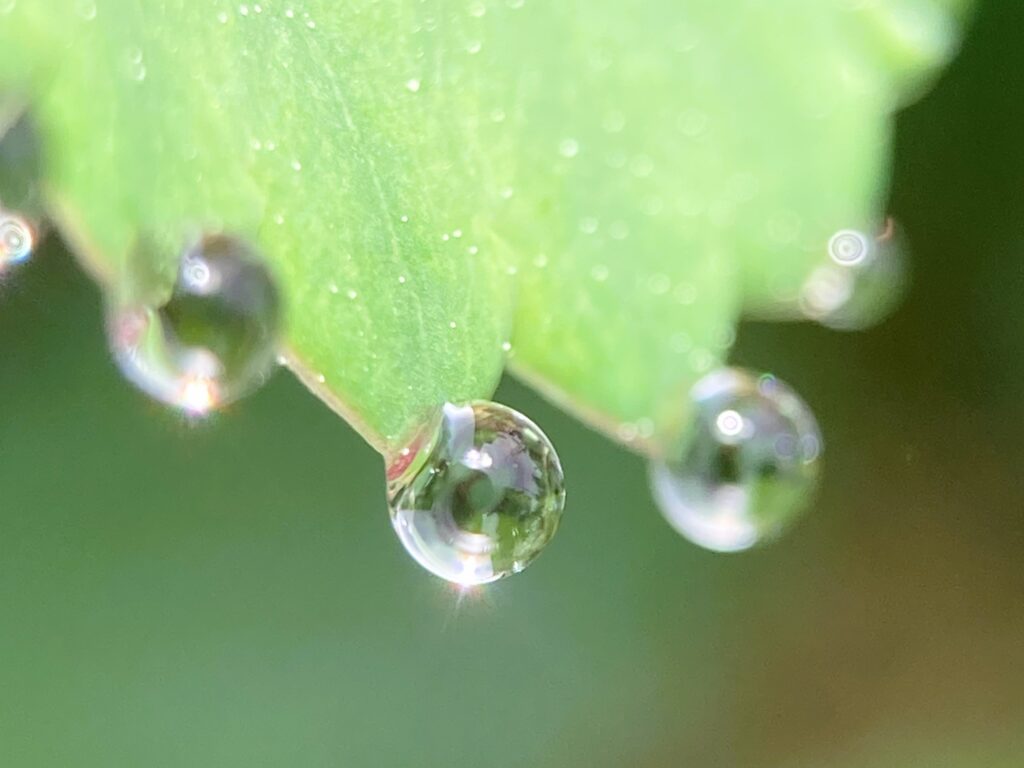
(212, 340)
(861, 282)
(478, 494)
(748, 467)
(17, 239)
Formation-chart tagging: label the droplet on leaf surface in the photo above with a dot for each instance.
(478, 494)
(214, 338)
(16, 239)
(862, 281)
(749, 464)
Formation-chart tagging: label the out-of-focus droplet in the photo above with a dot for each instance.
(213, 340)
(17, 238)
(477, 495)
(749, 466)
(862, 281)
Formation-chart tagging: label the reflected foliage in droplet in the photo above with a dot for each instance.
(861, 282)
(214, 338)
(749, 466)
(478, 495)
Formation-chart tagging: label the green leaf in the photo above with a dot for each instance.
(596, 188)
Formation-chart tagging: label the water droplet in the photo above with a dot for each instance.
(569, 148)
(614, 122)
(478, 495)
(16, 239)
(86, 9)
(618, 230)
(862, 281)
(413, 84)
(474, 47)
(749, 466)
(212, 340)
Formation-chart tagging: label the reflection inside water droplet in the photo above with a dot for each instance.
(478, 495)
(862, 281)
(16, 239)
(750, 463)
(212, 341)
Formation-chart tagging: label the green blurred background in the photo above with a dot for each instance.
(231, 594)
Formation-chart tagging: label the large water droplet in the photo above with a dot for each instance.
(749, 466)
(213, 340)
(862, 281)
(478, 495)
(16, 239)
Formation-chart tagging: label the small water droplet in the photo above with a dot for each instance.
(478, 495)
(474, 47)
(296, 166)
(413, 85)
(659, 284)
(618, 230)
(614, 122)
(862, 281)
(17, 239)
(352, 294)
(506, 346)
(85, 9)
(749, 465)
(212, 340)
(589, 225)
(641, 166)
(569, 148)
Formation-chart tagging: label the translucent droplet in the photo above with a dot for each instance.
(862, 281)
(213, 339)
(749, 466)
(16, 239)
(478, 495)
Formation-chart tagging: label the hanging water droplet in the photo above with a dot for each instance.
(749, 465)
(478, 495)
(16, 239)
(213, 339)
(862, 281)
